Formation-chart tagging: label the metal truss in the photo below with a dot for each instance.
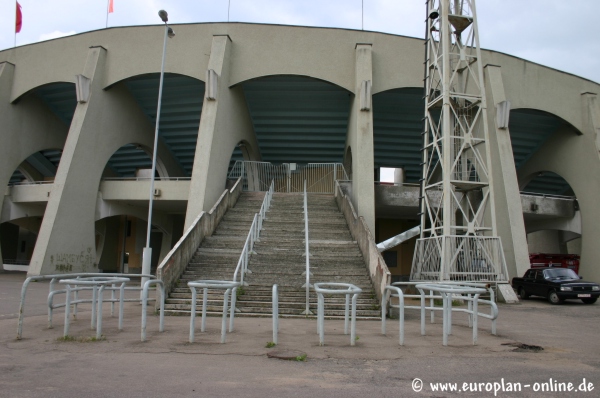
(458, 226)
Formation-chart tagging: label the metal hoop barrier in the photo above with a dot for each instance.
(229, 287)
(98, 284)
(275, 313)
(346, 289)
(161, 286)
(492, 315)
(52, 292)
(447, 291)
(388, 293)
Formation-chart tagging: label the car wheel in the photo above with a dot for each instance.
(523, 294)
(553, 298)
(589, 300)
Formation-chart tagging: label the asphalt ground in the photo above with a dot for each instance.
(167, 365)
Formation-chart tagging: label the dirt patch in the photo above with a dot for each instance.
(521, 347)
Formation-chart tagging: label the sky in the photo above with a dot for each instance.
(556, 33)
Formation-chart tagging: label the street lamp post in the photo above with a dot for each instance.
(147, 255)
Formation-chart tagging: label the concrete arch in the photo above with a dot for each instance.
(575, 158)
(534, 86)
(153, 73)
(283, 74)
(159, 219)
(18, 237)
(45, 85)
(164, 169)
(249, 151)
(530, 129)
(28, 127)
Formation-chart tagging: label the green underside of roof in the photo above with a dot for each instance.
(297, 120)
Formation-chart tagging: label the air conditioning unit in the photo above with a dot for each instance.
(157, 192)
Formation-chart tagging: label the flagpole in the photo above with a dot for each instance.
(16, 11)
(107, 6)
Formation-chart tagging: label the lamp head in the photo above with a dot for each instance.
(434, 14)
(163, 15)
(170, 32)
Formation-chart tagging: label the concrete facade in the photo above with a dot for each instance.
(76, 231)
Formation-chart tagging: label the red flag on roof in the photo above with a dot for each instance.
(110, 6)
(19, 21)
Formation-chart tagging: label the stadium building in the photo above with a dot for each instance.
(77, 121)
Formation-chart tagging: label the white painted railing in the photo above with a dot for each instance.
(307, 285)
(289, 177)
(475, 259)
(242, 266)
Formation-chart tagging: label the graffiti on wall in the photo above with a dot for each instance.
(70, 262)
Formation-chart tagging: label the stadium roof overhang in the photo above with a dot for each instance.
(297, 119)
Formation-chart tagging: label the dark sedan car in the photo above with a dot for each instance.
(556, 284)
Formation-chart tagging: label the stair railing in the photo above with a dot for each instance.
(253, 236)
(307, 285)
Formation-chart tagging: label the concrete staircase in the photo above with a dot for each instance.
(280, 259)
(217, 256)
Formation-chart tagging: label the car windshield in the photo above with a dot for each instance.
(565, 273)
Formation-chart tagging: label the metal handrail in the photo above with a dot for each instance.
(230, 289)
(447, 291)
(14, 261)
(253, 235)
(493, 315)
(397, 184)
(159, 285)
(335, 288)
(147, 179)
(306, 254)
(28, 182)
(288, 177)
(275, 312)
(388, 293)
(548, 195)
(52, 292)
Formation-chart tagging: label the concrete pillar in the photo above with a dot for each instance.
(107, 121)
(360, 137)
(509, 214)
(591, 116)
(225, 121)
(27, 127)
(574, 156)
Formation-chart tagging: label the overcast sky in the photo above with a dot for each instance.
(556, 33)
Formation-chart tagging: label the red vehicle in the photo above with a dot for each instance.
(544, 260)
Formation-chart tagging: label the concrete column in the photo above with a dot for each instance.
(509, 214)
(360, 138)
(225, 121)
(27, 127)
(107, 121)
(574, 156)
(591, 116)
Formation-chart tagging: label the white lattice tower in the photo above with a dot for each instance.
(458, 227)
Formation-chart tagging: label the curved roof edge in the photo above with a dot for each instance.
(296, 26)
